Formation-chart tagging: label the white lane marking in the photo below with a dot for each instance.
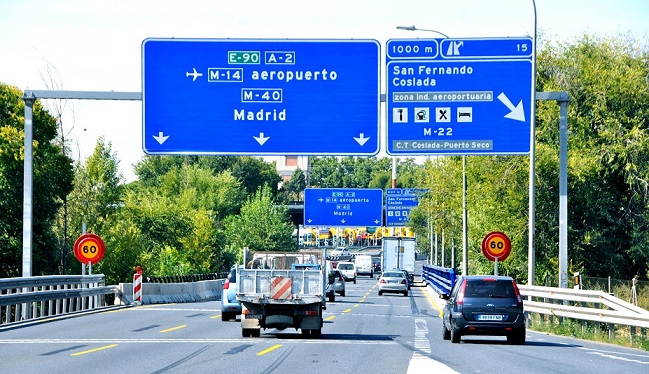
(618, 355)
(420, 361)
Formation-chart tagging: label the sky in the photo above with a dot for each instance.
(95, 45)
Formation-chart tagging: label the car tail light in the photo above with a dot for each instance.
(518, 293)
(488, 279)
(382, 280)
(460, 294)
(340, 278)
(226, 285)
(403, 281)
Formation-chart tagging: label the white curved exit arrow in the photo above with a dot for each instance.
(517, 112)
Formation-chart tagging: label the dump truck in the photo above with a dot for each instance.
(276, 290)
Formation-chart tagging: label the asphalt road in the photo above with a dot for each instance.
(363, 332)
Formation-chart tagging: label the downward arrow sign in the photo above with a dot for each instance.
(261, 139)
(161, 137)
(517, 112)
(361, 139)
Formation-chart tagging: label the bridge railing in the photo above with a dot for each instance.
(27, 298)
(439, 278)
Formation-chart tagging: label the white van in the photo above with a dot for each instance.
(348, 269)
(364, 265)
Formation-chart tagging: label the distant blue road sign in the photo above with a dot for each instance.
(459, 96)
(261, 97)
(398, 204)
(336, 207)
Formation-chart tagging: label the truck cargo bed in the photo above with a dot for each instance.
(272, 286)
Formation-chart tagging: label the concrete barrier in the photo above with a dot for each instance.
(163, 293)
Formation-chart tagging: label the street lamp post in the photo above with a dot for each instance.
(465, 236)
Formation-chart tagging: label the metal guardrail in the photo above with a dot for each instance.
(28, 298)
(584, 305)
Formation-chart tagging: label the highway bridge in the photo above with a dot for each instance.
(362, 332)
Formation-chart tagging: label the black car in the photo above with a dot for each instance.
(376, 267)
(410, 276)
(484, 305)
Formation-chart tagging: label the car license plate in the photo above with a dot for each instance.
(489, 317)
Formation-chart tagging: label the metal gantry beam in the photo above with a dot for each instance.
(29, 97)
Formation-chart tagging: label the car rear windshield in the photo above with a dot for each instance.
(489, 288)
(345, 266)
(393, 275)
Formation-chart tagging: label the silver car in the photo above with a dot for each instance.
(394, 281)
(337, 281)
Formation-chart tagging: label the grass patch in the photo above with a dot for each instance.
(590, 331)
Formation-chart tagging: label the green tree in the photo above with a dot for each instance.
(173, 225)
(608, 150)
(293, 188)
(253, 172)
(261, 226)
(52, 181)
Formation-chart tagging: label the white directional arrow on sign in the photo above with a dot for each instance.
(516, 112)
(261, 139)
(161, 137)
(361, 139)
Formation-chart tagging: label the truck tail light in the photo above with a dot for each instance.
(310, 313)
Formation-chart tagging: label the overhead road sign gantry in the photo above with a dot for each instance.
(459, 96)
(340, 207)
(261, 97)
(398, 204)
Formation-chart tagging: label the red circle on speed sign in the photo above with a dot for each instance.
(496, 245)
(89, 248)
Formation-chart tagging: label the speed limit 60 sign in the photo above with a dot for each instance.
(89, 248)
(496, 246)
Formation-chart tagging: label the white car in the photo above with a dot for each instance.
(348, 269)
(340, 251)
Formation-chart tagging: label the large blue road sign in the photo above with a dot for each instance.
(335, 207)
(398, 204)
(459, 96)
(261, 97)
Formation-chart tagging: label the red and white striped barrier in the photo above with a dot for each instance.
(137, 288)
(280, 288)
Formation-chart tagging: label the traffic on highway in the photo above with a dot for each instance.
(362, 332)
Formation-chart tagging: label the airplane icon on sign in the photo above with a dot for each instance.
(195, 74)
